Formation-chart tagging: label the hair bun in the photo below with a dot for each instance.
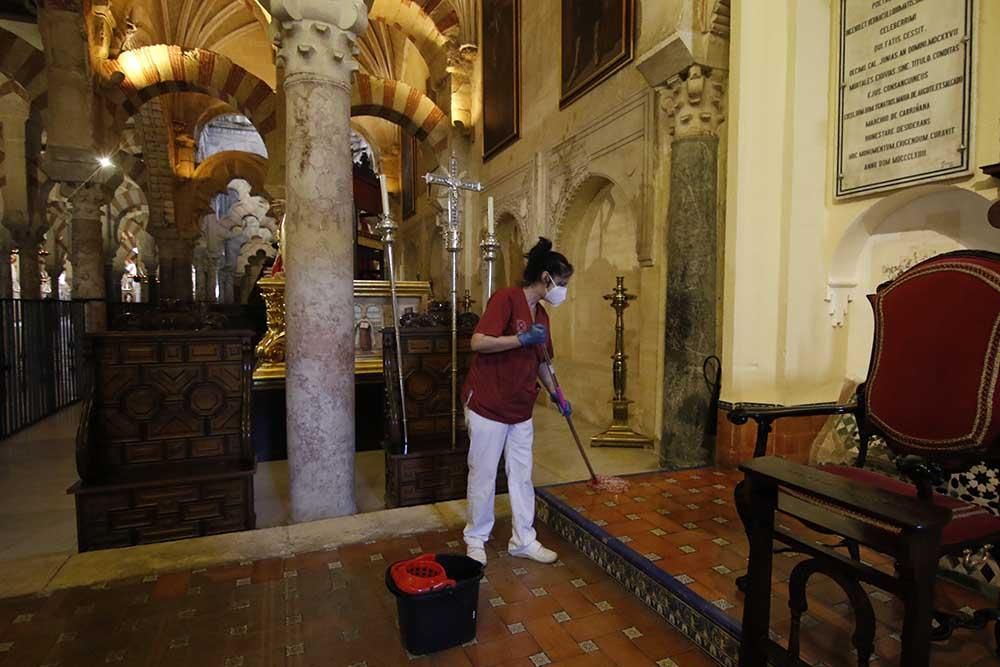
(542, 259)
(541, 248)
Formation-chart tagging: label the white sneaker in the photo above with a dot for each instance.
(537, 553)
(476, 553)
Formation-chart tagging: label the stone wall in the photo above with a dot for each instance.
(590, 177)
(799, 262)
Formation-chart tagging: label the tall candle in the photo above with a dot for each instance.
(489, 215)
(385, 194)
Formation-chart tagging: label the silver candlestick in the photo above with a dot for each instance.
(489, 247)
(387, 228)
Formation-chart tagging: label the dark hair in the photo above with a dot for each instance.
(542, 258)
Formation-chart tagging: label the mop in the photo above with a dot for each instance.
(597, 482)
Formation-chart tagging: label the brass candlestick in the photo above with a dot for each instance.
(619, 434)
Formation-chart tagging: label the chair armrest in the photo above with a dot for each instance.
(923, 473)
(764, 415)
(741, 413)
(907, 513)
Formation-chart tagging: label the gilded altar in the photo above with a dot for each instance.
(372, 312)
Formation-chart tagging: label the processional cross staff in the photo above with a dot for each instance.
(453, 244)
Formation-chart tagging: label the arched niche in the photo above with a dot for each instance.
(363, 142)
(509, 266)
(404, 105)
(889, 237)
(228, 132)
(599, 239)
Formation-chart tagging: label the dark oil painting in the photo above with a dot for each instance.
(501, 75)
(597, 40)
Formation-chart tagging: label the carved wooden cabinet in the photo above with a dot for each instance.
(431, 470)
(427, 383)
(164, 448)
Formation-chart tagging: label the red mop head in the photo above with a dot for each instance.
(608, 484)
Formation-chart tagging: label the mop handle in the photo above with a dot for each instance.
(569, 419)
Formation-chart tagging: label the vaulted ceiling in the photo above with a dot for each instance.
(236, 29)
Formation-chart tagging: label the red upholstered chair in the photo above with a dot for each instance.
(932, 394)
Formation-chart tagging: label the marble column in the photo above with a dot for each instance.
(693, 103)
(176, 259)
(201, 275)
(225, 285)
(151, 288)
(14, 111)
(87, 254)
(28, 240)
(316, 49)
(55, 273)
(113, 279)
(30, 272)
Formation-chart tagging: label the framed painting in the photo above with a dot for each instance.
(373, 311)
(501, 75)
(598, 39)
(408, 158)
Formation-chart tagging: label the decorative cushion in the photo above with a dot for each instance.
(969, 522)
(932, 382)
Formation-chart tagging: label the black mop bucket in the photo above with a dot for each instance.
(439, 619)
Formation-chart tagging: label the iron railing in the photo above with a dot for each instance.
(41, 362)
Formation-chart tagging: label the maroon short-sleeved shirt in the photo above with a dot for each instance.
(503, 386)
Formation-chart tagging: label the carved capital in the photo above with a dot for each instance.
(318, 38)
(24, 234)
(693, 102)
(14, 109)
(87, 203)
(70, 165)
(461, 59)
(102, 28)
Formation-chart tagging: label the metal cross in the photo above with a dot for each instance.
(454, 184)
(453, 243)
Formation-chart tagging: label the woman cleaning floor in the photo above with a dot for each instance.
(499, 395)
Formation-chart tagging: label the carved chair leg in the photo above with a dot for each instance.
(864, 615)
(798, 604)
(996, 636)
(945, 624)
(741, 498)
(917, 572)
(741, 495)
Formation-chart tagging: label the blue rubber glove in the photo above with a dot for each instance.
(565, 407)
(536, 335)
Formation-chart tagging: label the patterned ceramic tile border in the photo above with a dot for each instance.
(700, 621)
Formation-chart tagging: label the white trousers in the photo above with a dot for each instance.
(488, 440)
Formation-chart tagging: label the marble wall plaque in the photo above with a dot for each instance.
(905, 93)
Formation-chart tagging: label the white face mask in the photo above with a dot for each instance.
(556, 294)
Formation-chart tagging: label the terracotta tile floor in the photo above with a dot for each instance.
(686, 523)
(331, 608)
